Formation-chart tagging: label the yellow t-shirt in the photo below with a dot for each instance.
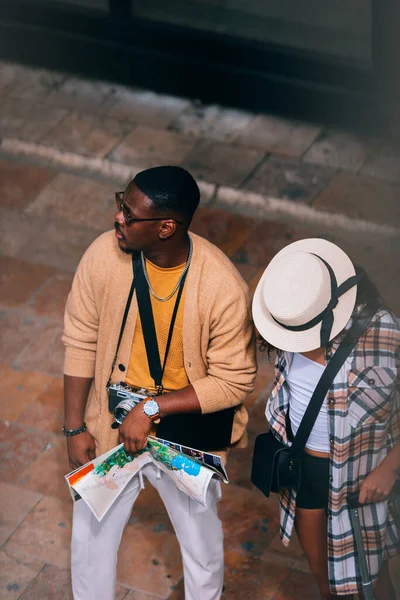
(163, 282)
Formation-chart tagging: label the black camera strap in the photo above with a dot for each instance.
(146, 315)
(148, 326)
(124, 318)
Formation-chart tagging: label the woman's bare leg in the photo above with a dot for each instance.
(311, 529)
(384, 589)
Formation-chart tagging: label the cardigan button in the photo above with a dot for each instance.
(121, 367)
(371, 381)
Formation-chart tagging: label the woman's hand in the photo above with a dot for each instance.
(377, 486)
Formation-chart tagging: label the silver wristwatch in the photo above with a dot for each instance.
(152, 410)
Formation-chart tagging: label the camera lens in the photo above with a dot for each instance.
(122, 409)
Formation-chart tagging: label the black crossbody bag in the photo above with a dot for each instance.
(275, 465)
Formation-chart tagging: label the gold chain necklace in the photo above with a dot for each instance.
(152, 292)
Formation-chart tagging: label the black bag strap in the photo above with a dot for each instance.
(350, 340)
(148, 326)
(124, 318)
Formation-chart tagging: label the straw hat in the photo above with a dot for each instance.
(305, 296)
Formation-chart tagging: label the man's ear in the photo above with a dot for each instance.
(167, 229)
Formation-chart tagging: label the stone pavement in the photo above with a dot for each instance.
(49, 213)
(322, 170)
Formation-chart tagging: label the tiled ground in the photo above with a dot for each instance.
(261, 153)
(49, 217)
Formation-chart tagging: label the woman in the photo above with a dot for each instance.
(307, 298)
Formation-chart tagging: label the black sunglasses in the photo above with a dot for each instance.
(121, 206)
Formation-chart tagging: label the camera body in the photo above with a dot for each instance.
(123, 397)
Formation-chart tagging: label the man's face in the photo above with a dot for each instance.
(139, 235)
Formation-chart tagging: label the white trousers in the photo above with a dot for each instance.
(94, 545)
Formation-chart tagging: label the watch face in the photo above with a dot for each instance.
(151, 408)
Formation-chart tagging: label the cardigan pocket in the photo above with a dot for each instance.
(369, 395)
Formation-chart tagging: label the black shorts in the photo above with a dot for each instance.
(314, 486)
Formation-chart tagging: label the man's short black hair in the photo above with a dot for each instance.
(170, 189)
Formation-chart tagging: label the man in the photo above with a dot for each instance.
(210, 368)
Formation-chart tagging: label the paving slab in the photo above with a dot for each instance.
(294, 549)
(144, 107)
(20, 184)
(32, 563)
(53, 242)
(148, 147)
(19, 279)
(282, 136)
(264, 240)
(44, 411)
(200, 121)
(77, 200)
(289, 179)
(82, 94)
(18, 81)
(138, 595)
(227, 231)
(148, 560)
(361, 197)
(26, 120)
(20, 390)
(52, 583)
(17, 333)
(20, 447)
(340, 150)
(150, 511)
(14, 577)
(49, 300)
(87, 133)
(15, 505)
(45, 534)
(249, 578)
(384, 164)
(222, 163)
(16, 230)
(298, 585)
(250, 521)
(52, 462)
(44, 351)
(122, 593)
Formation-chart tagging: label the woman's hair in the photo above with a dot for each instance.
(367, 292)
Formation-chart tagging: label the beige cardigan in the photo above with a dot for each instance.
(218, 337)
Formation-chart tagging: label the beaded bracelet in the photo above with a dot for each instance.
(69, 432)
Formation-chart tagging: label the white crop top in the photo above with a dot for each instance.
(302, 379)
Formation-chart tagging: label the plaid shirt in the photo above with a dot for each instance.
(363, 407)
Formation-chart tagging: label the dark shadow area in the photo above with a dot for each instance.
(330, 63)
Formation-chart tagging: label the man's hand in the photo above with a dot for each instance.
(134, 430)
(81, 449)
(377, 486)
